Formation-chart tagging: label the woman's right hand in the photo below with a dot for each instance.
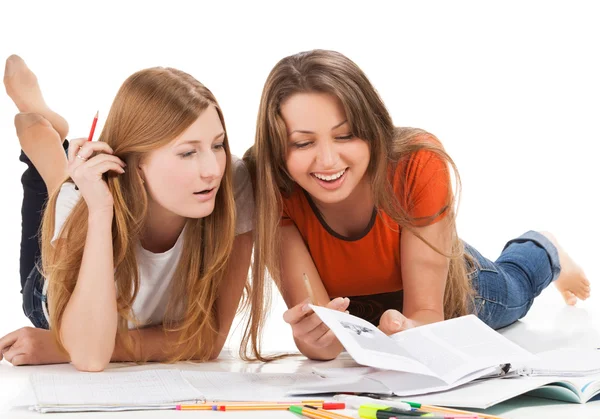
(308, 327)
(86, 171)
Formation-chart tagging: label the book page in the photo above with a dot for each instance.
(368, 345)
(113, 388)
(403, 384)
(458, 347)
(248, 386)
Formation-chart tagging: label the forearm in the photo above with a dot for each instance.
(157, 345)
(425, 316)
(89, 323)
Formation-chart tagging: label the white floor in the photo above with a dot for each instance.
(550, 324)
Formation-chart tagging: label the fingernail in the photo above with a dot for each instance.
(347, 312)
(397, 323)
(305, 308)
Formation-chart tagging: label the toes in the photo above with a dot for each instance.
(583, 293)
(569, 297)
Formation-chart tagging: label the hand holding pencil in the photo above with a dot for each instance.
(306, 325)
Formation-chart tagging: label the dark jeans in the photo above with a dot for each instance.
(35, 196)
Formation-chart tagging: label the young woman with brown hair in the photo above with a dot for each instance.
(367, 211)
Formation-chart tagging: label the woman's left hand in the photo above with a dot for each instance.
(31, 346)
(392, 321)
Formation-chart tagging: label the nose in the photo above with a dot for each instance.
(208, 166)
(327, 154)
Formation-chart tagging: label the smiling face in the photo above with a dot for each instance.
(182, 177)
(324, 157)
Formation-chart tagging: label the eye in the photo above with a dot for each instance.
(188, 154)
(345, 137)
(302, 144)
(219, 146)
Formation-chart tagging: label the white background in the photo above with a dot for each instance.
(511, 88)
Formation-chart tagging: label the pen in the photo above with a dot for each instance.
(309, 289)
(373, 412)
(93, 127)
(437, 409)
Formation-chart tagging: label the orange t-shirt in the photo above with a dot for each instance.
(370, 263)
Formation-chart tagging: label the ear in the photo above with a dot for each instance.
(141, 172)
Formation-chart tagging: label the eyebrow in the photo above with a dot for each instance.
(311, 132)
(198, 141)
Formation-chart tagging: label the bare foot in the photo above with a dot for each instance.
(22, 87)
(572, 282)
(42, 144)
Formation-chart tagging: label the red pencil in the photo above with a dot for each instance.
(93, 127)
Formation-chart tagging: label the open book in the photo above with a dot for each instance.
(426, 359)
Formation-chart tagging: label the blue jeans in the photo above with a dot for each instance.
(505, 289)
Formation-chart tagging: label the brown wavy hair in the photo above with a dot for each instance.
(333, 73)
(152, 108)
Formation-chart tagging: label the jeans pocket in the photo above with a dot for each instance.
(33, 299)
(487, 311)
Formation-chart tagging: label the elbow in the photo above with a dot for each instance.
(90, 362)
(215, 353)
(89, 365)
(320, 357)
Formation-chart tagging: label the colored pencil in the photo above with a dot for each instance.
(222, 405)
(316, 413)
(277, 406)
(93, 127)
(309, 289)
(438, 409)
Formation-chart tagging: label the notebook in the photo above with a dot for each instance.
(163, 389)
(112, 391)
(568, 374)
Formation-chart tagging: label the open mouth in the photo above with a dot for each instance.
(330, 178)
(204, 192)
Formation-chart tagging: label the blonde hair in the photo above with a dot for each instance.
(331, 72)
(152, 107)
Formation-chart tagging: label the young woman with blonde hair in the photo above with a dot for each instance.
(144, 255)
(367, 211)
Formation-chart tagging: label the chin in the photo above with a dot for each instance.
(200, 212)
(329, 198)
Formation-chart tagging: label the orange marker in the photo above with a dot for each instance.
(93, 127)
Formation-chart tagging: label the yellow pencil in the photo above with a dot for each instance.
(221, 405)
(439, 409)
(317, 413)
(280, 406)
(309, 289)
